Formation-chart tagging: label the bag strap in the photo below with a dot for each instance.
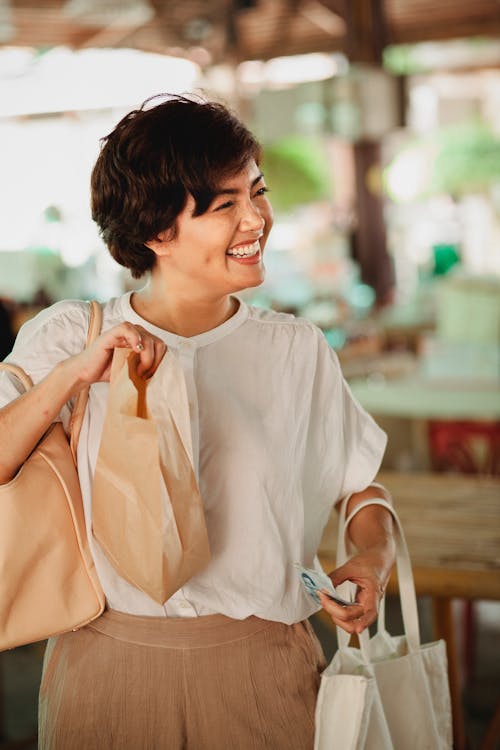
(75, 424)
(19, 373)
(348, 589)
(403, 564)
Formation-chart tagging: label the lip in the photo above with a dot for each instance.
(251, 261)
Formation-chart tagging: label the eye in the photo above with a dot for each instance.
(261, 191)
(227, 204)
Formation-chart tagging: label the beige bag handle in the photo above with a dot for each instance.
(406, 582)
(19, 373)
(75, 424)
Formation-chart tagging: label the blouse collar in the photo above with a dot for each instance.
(201, 339)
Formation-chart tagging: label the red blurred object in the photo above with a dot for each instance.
(465, 447)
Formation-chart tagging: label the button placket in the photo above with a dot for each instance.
(177, 603)
(187, 353)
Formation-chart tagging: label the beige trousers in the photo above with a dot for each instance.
(207, 683)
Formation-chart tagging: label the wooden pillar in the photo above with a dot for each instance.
(369, 246)
(365, 40)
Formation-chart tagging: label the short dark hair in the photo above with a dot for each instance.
(152, 160)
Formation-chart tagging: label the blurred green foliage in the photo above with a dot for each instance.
(467, 159)
(411, 59)
(456, 160)
(296, 170)
(401, 59)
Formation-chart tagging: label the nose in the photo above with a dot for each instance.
(251, 218)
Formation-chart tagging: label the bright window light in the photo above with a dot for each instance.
(409, 174)
(62, 80)
(281, 72)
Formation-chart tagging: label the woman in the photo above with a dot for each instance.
(230, 659)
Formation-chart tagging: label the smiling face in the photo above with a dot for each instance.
(220, 251)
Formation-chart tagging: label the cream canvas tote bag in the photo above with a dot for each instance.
(393, 692)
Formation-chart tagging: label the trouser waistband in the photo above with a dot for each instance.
(177, 632)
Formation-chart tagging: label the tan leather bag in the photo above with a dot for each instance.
(48, 581)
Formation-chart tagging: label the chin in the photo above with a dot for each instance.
(259, 278)
(250, 283)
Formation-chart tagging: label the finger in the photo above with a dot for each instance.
(342, 613)
(146, 355)
(144, 343)
(347, 572)
(159, 349)
(370, 611)
(124, 334)
(156, 349)
(353, 618)
(356, 624)
(349, 627)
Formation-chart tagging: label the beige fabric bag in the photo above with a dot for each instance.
(48, 582)
(147, 513)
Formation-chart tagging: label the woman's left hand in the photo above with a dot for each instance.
(370, 571)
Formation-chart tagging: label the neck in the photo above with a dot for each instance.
(182, 315)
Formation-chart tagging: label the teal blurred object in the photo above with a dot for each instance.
(445, 258)
(360, 298)
(336, 337)
(260, 299)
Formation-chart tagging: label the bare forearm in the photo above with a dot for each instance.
(371, 533)
(372, 526)
(24, 421)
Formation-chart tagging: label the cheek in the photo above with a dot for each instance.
(268, 216)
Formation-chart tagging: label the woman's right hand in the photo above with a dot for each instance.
(24, 420)
(93, 365)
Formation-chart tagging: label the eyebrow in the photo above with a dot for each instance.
(234, 191)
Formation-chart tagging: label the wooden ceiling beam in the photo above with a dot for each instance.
(366, 31)
(319, 14)
(268, 28)
(421, 32)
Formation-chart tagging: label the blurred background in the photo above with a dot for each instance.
(380, 121)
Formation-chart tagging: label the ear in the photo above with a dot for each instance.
(160, 244)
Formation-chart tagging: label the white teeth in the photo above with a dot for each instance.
(245, 251)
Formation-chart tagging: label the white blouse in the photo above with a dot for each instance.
(277, 439)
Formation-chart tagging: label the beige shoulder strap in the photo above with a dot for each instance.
(75, 425)
(19, 373)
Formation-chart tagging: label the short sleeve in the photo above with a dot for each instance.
(344, 444)
(50, 337)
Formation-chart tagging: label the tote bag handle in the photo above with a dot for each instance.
(75, 425)
(405, 575)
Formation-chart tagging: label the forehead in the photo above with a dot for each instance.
(242, 178)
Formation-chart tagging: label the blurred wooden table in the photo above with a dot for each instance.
(452, 526)
(414, 397)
